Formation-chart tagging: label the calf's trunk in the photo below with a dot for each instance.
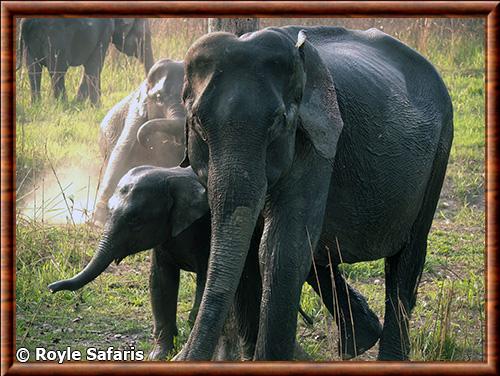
(101, 260)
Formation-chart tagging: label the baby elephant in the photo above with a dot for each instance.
(163, 209)
(166, 209)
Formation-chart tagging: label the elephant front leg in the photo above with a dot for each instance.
(293, 223)
(248, 298)
(229, 345)
(164, 287)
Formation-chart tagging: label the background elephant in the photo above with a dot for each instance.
(340, 140)
(166, 209)
(155, 104)
(132, 36)
(60, 43)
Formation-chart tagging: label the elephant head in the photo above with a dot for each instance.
(250, 101)
(132, 36)
(150, 206)
(163, 105)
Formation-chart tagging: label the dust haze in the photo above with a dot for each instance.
(65, 195)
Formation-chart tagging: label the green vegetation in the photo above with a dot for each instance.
(448, 322)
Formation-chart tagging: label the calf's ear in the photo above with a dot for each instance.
(190, 204)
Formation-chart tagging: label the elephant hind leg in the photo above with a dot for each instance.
(58, 85)
(359, 327)
(403, 270)
(90, 85)
(57, 70)
(402, 276)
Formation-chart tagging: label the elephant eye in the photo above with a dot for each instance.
(280, 122)
(158, 98)
(196, 125)
(136, 227)
(135, 223)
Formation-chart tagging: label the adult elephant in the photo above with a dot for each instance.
(155, 103)
(340, 139)
(60, 43)
(167, 209)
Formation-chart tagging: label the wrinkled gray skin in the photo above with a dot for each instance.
(167, 210)
(60, 43)
(156, 103)
(340, 142)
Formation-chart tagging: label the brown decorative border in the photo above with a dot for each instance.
(490, 10)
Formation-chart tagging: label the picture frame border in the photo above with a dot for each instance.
(489, 10)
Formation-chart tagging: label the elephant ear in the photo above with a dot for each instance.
(190, 204)
(185, 161)
(123, 26)
(319, 113)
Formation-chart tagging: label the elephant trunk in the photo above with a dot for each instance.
(101, 260)
(236, 197)
(171, 129)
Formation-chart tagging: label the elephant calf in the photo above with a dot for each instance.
(167, 209)
(163, 209)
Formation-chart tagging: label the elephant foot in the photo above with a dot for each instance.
(228, 349)
(392, 356)
(300, 354)
(159, 352)
(392, 349)
(367, 335)
(180, 356)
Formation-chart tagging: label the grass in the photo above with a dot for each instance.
(448, 322)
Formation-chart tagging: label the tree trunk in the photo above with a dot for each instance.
(19, 43)
(238, 26)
